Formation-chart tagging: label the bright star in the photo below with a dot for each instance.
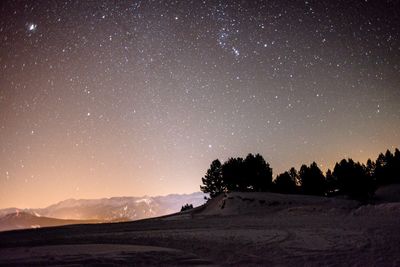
(32, 27)
(236, 51)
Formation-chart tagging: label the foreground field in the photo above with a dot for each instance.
(232, 230)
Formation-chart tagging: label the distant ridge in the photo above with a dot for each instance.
(112, 209)
(24, 220)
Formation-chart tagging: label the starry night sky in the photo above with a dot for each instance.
(112, 98)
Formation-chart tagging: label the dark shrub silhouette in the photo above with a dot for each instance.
(187, 207)
(312, 181)
(212, 181)
(285, 183)
(353, 179)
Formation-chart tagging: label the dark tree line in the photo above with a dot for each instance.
(187, 207)
(237, 174)
(349, 178)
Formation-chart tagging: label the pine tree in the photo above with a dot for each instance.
(353, 179)
(212, 181)
(331, 183)
(312, 180)
(258, 173)
(285, 183)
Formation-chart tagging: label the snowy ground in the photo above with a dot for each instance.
(259, 229)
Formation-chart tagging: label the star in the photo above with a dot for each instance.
(236, 51)
(32, 27)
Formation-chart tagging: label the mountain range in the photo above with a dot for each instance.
(115, 209)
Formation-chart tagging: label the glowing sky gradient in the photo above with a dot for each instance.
(112, 98)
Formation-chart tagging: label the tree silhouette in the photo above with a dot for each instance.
(312, 180)
(237, 174)
(381, 170)
(370, 168)
(396, 166)
(258, 173)
(387, 168)
(295, 176)
(331, 183)
(233, 173)
(353, 179)
(212, 181)
(285, 183)
(254, 174)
